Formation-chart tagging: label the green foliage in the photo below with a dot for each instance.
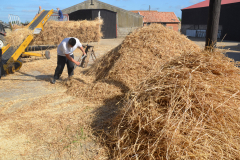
(180, 19)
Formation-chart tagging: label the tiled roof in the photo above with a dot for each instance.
(143, 11)
(206, 3)
(155, 16)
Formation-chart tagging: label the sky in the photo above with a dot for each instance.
(27, 9)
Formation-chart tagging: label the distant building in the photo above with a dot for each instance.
(117, 22)
(168, 19)
(195, 19)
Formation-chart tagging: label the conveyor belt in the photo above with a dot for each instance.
(38, 20)
(8, 54)
(11, 50)
(15, 52)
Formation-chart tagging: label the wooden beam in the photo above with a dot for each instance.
(213, 23)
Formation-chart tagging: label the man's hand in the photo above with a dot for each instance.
(72, 60)
(77, 63)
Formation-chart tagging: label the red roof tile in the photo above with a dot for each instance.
(206, 4)
(155, 16)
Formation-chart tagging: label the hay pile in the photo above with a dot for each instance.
(141, 52)
(14, 27)
(183, 102)
(55, 31)
(85, 88)
(188, 109)
(16, 37)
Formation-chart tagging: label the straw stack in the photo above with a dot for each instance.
(188, 109)
(14, 27)
(141, 52)
(16, 37)
(181, 102)
(55, 31)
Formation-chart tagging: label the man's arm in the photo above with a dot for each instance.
(71, 59)
(81, 48)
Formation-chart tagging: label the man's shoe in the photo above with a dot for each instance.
(53, 81)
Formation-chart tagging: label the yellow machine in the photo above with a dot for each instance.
(10, 55)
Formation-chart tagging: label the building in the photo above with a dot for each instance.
(195, 19)
(124, 22)
(168, 19)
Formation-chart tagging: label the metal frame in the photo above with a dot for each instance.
(54, 17)
(14, 18)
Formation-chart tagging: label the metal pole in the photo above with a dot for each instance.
(213, 23)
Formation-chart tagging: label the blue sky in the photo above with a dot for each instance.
(27, 9)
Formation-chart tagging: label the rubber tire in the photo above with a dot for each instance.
(3, 40)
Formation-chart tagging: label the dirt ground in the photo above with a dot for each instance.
(39, 120)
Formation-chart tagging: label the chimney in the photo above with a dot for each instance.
(149, 8)
(92, 2)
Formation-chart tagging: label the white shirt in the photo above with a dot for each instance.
(64, 48)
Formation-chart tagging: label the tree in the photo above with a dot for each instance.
(180, 19)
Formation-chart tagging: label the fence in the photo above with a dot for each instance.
(54, 17)
(14, 20)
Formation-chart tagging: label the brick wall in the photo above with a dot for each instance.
(174, 26)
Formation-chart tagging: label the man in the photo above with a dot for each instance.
(60, 15)
(65, 55)
(40, 10)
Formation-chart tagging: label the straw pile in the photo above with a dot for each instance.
(16, 37)
(94, 92)
(14, 27)
(140, 53)
(188, 109)
(55, 31)
(183, 102)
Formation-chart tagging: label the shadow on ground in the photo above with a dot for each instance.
(34, 77)
(235, 56)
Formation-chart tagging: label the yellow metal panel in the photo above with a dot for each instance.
(5, 48)
(20, 49)
(33, 54)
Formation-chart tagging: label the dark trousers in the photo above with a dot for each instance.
(61, 61)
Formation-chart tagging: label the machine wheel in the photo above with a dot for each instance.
(14, 67)
(47, 54)
(18, 64)
(2, 41)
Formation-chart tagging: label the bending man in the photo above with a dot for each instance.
(65, 56)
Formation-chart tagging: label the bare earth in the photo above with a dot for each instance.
(39, 120)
